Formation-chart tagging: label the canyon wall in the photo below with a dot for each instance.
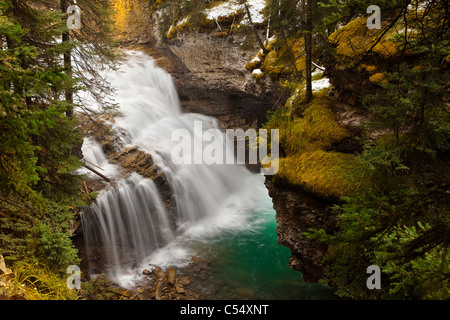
(209, 71)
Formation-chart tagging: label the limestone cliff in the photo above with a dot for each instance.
(209, 70)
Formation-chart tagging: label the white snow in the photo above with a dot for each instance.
(256, 8)
(183, 22)
(320, 84)
(255, 60)
(232, 7)
(257, 72)
(225, 9)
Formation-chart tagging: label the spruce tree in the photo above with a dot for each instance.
(39, 142)
(401, 224)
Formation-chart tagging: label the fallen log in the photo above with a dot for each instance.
(97, 173)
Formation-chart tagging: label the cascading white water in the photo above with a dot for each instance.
(128, 222)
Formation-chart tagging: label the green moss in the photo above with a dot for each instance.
(280, 61)
(316, 128)
(378, 78)
(307, 139)
(355, 39)
(328, 174)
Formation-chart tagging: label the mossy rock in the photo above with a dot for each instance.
(327, 174)
(257, 74)
(221, 34)
(355, 39)
(256, 61)
(316, 128)
(378, 78)
(178, 28)
(275, 61)
(308, 140)
(271, 63)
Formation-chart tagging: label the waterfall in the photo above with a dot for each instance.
(128, 226)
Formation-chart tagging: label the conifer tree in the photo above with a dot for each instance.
(401, 223)
(39, 143)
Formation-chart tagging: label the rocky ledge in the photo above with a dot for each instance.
(296, 212)
(171, 284)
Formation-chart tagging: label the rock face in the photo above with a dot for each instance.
(208, 83)
(209, 72)
(217, 82)
(296, 212)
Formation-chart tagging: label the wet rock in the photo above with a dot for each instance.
(179, 289)
(184, 281)
(124, 293)
(198, 264)
(159, 273)
(171, 276)
(136, 160)
(158, 291)
(296, 212)
(146, 272)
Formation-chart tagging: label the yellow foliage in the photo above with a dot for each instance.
(320, 172)
(378, 78)
(35, 282)
(371, 69)
(295, 48)
(306, 140)
(355, 39)
(120, 12)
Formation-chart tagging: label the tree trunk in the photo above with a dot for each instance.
(67, 64)
(258, 38)
(308, 48)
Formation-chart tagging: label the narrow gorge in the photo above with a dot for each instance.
(153, 214)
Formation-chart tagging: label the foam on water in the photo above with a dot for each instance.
(94, 156)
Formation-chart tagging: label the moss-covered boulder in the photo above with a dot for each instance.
(308, 137)
(355, 39)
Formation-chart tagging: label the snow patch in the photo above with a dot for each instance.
(232, 7)
(320, 84)
(256, 8)
(223, 10)
(257, 72)
(255, 60)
